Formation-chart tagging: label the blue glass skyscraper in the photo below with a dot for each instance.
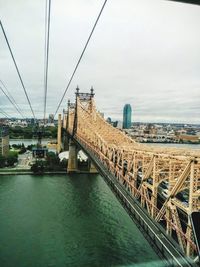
(127, 112)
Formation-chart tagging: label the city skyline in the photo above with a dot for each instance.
(144, 53)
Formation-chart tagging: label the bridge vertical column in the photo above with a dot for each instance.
(65, 138)
(168, 212)
(192, 201)
(135, 175)
(65, 141)
(72, 160)
(169, 219)
(154, 189)
(64, 123)
(59, 134)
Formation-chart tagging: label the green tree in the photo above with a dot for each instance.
(12, 158)
(63, 164)
(2, 161)
(52, 161)
(29, 147)
(52, 158)
(38, 166)
(27, 132)
(23, 149)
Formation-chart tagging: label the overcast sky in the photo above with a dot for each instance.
(143, 52)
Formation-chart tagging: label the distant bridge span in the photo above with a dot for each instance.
(135, 173)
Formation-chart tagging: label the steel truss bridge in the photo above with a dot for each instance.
(135, 173)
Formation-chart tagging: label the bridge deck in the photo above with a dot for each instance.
(152, 231)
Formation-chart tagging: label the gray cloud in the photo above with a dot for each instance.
(143, 52)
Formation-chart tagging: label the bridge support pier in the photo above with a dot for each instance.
(73, 166)
(72, 160)
(92, 168)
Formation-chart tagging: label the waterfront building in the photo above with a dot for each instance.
(4, 140)
(113, 123)
(127, 112)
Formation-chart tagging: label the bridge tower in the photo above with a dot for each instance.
(87, 98)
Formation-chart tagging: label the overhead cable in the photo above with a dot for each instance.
(76, 67)
(11, 99)
(22, 83)
(10, 95)
(4, 113)
(46, 53)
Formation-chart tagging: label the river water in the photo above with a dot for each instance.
(186, 146)
(27, 142)
(67, 220)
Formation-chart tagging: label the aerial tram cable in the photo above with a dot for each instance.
(12, 98)
(45, 45)
(76, 67)
(46, 52)
(11, 101)
(8, 97)
(19, 75)
(5, 114)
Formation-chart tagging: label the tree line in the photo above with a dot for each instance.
(9, 160)
(50, 163)
(18, 132)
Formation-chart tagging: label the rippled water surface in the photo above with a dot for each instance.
(67, 221)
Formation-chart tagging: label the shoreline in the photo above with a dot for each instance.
(26, 172)
(26, 139)
(170, 143)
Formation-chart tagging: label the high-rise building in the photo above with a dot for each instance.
(51, 118)
(109, 120)
(4, 140)
(127, 116)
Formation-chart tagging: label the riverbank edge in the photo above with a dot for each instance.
(26, 172)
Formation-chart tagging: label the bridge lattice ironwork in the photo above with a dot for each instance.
(141, 169)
